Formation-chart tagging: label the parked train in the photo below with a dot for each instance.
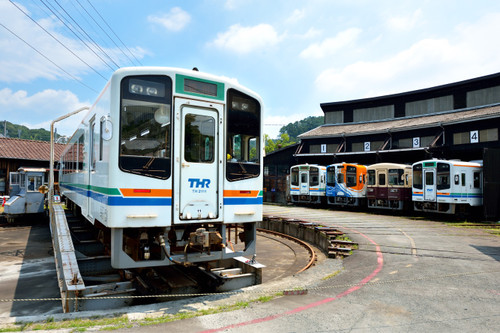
(346, 184)
(389, 186)
(438, 186)
(165, 164)
(307, 183)
(446, 186)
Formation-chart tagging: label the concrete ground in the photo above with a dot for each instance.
(408, 275)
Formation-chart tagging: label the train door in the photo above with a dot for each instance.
(197, 193)
(382, 188)
(304, 182)
(429, 185)
(463, 190)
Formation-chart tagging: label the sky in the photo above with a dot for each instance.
(294, 54)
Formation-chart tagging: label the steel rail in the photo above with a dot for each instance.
(302, 243)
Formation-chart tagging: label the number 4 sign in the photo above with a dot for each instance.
(474, 136)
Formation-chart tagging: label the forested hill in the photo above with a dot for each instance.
(301, 126)
(23, 132)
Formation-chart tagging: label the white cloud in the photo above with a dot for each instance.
(42, 107)
(296, 16)
(21, 63)
(243, 40)
(330, 46)
(175, 20)
(426, 63)
(310, 34)
(406, 22)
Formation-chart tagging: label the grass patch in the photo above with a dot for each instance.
(329, 276)
(122, 321)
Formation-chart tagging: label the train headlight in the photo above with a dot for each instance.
(151, 91)
(146, 88)
(136, 89)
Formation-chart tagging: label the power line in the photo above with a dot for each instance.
(57, 40)
(92, 26)
(58, 15)
(89, 37)
(73, 77)
(103, 30)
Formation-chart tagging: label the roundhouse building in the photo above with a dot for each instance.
(454, 121)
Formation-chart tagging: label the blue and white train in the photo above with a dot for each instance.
(165, 164)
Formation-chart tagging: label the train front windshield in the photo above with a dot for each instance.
(145, 125)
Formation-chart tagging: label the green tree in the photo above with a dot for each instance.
(302, 126)
(282, 142)
(23, 132)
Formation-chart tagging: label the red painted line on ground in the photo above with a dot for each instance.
(380, 264)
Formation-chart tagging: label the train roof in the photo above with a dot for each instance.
(389, 165)
(454, 162)
(348, 163)
(308, 165)
(142, 70)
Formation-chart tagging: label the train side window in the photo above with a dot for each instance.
(101, 140)
(81, 148)
(314, 172)
(371, 177)
(477, 180)
(443, 176)
(463, 179)
(396, 177)
(92, 146)
(294, 177)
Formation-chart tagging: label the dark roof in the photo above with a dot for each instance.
(403, 124)
(415, 95)
(20, 149)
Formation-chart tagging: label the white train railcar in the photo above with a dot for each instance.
(446, 186)
(166, 163)
(307, 183)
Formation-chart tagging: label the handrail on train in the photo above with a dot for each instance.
(51, 174)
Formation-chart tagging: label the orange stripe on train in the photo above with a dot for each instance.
(241, 193)
(145, 192)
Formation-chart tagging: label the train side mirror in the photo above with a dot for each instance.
(107, 129)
